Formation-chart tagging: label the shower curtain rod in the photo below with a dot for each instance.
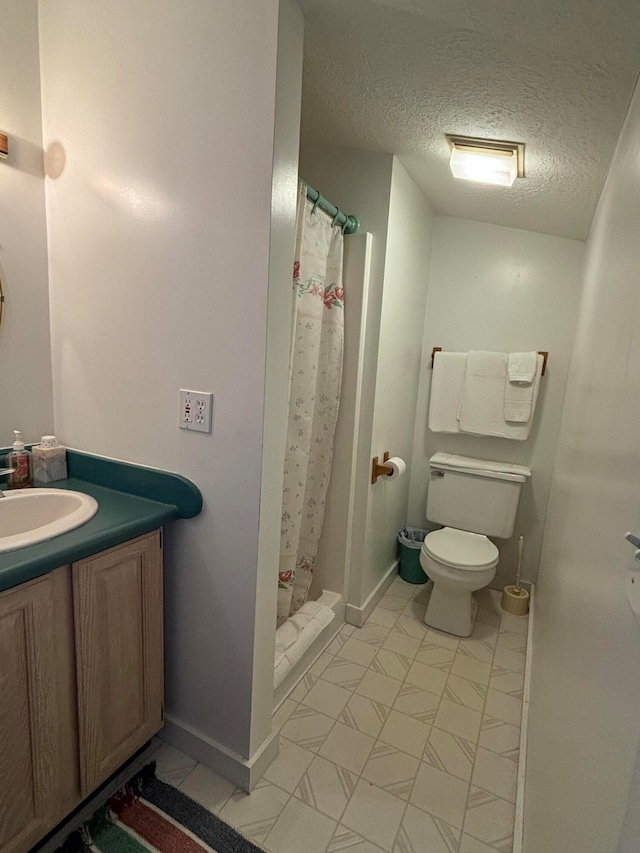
(350, 224)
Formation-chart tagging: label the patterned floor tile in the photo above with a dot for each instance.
(442, 795)
(380, 616)
(464, 692)
(391, 769)
(347, 748)
(514, 624)
(417, 703)
(415, 609)
(327, 698)
(337, 643)
(395, 603)
(485, 633)
(470, 668)
(391, 664)
(403, 589)
(326, 787)
(435, 655)
(458, 720)
(299, 827)
(207, 788)
(402, 644)
(282, 714)
(496, 774)
(255, 814)
(490, 819)
(483, 650)
(172, 765)
(374, 814)
(321, 664)
(364, 715)
(500, 737)
(450, 753)
(515, 642)
(472, 845)
(507, 682)
(442, 639)
(411, 627)
(289, 766)
(502, 706)
(345, 839)
(379, 688)
(420, 832)
(373, 634)
(510, 660)
(427, 677)
(344, 673)
(488, 617)
(405, 733)
(303, 687)
(357, 652)
(307, 728)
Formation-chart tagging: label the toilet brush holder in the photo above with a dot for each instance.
(515, 600)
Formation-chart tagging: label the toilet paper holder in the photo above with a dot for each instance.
(378, 470)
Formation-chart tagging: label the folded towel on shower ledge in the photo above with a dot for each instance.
(295, 636)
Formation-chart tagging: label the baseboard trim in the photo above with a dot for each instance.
(518, 832)
(244, 772)
(357, 616)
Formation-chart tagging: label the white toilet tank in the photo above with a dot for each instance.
(474, 494)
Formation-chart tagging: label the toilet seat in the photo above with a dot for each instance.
(460, 549)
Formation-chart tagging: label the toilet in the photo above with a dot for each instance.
(472, 499)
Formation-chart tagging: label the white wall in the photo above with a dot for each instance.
(496, 288)
(159, 261)
(585, 698)
(25, 353)
(408, 251)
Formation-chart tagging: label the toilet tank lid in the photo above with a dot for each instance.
(470, 465)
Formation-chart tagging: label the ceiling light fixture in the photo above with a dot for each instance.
(489, 161)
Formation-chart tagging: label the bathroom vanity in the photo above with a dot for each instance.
(81, 655)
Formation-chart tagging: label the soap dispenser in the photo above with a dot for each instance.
(21, 461)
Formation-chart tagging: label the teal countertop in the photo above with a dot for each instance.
(126, 509)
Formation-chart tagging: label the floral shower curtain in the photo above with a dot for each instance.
(314, 396)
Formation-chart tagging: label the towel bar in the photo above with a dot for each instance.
(543, 353)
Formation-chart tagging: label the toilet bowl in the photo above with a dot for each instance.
(459, 563)
(472, 498)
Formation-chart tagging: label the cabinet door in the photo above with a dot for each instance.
(118, 617)
(29, 715)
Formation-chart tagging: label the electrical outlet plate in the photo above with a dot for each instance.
(196, 410)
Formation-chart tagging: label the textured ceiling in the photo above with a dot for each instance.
(396, 75)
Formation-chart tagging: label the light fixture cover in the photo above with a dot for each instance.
(488, 161)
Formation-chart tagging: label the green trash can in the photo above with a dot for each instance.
(411, 539)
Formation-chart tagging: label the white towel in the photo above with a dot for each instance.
(296, 635)
(481, 409)
(522, 367)
(520, 400)
(446, 385)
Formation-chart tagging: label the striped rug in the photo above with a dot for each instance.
(149, 816)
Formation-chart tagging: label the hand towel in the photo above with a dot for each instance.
(446, 385)
(520, 400)
(522, 367)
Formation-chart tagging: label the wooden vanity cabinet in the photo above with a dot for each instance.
(119, 654)
(81, 682)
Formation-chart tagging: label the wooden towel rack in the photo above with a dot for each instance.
(543, 353)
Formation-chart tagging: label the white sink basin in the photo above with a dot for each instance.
(28, 516)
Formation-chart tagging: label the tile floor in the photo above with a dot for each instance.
(399, 739)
